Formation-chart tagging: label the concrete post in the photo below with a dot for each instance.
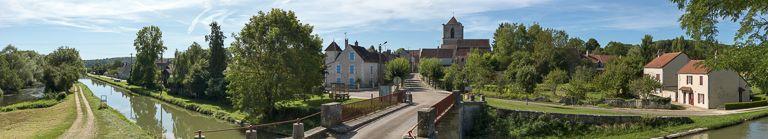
(251, 134)
(298, 130)
(330, 114)
(426, 125)
(199, 135)
(409, 98)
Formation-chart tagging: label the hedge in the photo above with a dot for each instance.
(742, 105)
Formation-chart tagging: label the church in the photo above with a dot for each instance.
(454, 48)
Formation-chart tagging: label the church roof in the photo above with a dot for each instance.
(436, 53)
(333, 47)
(453, 21)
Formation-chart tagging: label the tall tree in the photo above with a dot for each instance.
(274, 57)
(555, 78)
(431, 68)
(592, 44)
(217, 62)
(397, 68)
(149, 47)
(64, 68)
(702, 16)
(646, 46)
(478, 69)
(454, 77)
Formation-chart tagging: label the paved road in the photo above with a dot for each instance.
(395, 125)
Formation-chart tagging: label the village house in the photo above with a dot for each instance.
(598, 60)
(702, 87)
(353, 66)
(454, 48)
(664, 69)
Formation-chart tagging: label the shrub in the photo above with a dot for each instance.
(742, 105)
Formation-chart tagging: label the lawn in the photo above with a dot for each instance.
(47, 122)
(109, 122)
(554, 108)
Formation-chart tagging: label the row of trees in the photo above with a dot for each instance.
(274, 58)
(525, 56)
(21, 68)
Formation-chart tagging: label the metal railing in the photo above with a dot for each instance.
(354, 110)
(441, 108)
(199, 133)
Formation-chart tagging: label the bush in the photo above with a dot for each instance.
(742, 105)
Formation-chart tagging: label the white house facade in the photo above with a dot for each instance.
(353, 66)
(704, 88)
(664, 69)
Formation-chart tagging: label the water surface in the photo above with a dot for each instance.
(27, 94)
(754, 129)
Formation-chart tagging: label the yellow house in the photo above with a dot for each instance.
(702, 87)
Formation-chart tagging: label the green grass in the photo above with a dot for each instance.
(711, 122)
(49, 122)
(41, 103)
(109, 122)
(517, 105)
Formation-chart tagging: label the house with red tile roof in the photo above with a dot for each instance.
(664, 69)
(599, 60)
(703, 87)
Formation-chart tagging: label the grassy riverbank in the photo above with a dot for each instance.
(49, 122)
(109, 122)
(216, 109)
(710, 122)
(517, 105)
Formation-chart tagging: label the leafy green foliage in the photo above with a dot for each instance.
(275, 58)
(701, 17)
(19, 68)
(555, 78)
(743, 105)
(149, 47)
(431, 68)
(217, 63)
(454, 77)
(478, 68)
(63, 70)
(619, 72)
(644, 86)
(399, 67)
(592, 44)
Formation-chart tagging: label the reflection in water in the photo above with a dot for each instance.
(160, 118)
(26, 94)
(755, 129)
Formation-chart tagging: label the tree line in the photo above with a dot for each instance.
(57, 71)
(274, 58)
(526, 57)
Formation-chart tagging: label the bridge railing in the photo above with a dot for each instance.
(361, 108)
(443, 106)
(199, 133)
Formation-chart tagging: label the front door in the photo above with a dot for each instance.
(690, 98)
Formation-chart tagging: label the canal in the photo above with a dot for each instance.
(754, 129)
(26, 94)
(160, 118)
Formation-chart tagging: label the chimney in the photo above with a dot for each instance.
(346, 42)
(658, 53)
(356, 43)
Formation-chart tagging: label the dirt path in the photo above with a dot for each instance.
(79, 129)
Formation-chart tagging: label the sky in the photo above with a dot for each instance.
(104, 29)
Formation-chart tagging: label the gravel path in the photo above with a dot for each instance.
(80, 130)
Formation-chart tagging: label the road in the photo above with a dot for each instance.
(396, 124)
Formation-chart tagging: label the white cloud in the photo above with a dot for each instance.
(96, 16)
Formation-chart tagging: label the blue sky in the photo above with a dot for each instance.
(102, 29)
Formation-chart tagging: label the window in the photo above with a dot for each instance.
(351, 56)
(701, 98)
(452, 32)
(338, 79)
(338, 68)
(658, 77)
(701, 80)
(371, 70)
(351, 81)
(688, 79)
(352, 69)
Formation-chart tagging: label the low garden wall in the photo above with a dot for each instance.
(638, 103)
(590, 119)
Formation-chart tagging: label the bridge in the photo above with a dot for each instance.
(396, 115)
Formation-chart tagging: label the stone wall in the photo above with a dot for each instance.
(637, 103)
(588, 119)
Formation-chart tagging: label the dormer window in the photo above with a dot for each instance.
(351, 56)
